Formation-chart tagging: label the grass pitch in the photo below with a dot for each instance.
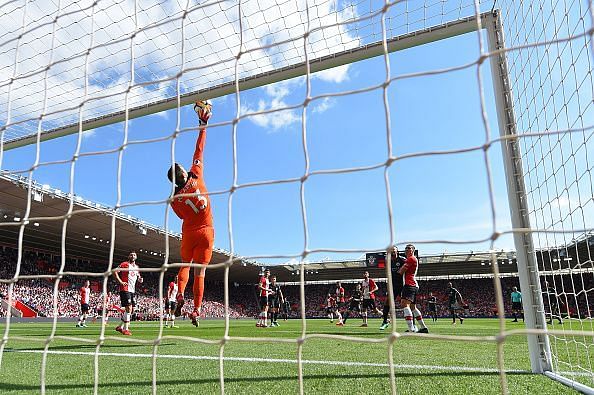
(268, 366)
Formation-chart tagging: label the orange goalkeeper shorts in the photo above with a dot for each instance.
(197, 245)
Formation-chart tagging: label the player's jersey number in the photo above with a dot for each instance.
(203, 203)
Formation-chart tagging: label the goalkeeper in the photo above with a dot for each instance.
(195, 212)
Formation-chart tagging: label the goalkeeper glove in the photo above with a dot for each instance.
(203, 109)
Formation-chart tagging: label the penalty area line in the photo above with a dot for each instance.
(272, 360)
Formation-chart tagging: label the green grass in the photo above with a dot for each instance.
(68, 373)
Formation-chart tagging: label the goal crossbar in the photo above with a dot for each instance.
(363, 52)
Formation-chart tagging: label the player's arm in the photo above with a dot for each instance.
(403, 269)
(375, 288)
(200, 143)
(204, 111)
(281, 296)
(176, 209)
(117, 276)
(262, 287)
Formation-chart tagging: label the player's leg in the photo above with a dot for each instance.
(419, 317)
(130, 311)
(124, 302)
(386, 312)
(188, 243)
(453, 314)
(85, 313)
(364, 312)
(80, 318)
(202, 253)
(265, 316)
(376, 309)
(167, 314)
(172, 308)
(259, 322)
(338, 315)
(408, 315)
(198, 290)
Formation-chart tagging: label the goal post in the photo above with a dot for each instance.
(538, 344)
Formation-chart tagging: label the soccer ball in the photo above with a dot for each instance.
(202, 105)
(203, 109)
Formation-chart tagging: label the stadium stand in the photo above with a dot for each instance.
(479, 293)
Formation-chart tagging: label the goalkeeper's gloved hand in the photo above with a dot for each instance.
(203, 109)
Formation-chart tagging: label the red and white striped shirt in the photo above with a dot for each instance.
(85, 294)
(340, 294)
(172, 292)
(129, 276)
(264, 286)
(410, 272)
(367, 286)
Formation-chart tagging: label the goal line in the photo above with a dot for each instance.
(271, 360)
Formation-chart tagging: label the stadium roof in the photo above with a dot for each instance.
(88, 229)
(432, 265)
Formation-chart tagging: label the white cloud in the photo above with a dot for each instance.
(323, 105)
(337, 74)
(274, 99)
(211, 44)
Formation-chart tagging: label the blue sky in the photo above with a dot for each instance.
(433, 198)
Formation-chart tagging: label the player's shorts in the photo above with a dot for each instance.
(431, 308)
(330, 310)
(409, 293)
(368, 304)
(171, 305)
(273, 303)
(84, 307)
(263, 301)
(127, 299)
(354, 306)
(454, 306)
(197, 245)
(516, 305)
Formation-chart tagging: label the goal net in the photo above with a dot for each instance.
(72, 67)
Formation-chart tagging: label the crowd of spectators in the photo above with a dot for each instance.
(38, 294)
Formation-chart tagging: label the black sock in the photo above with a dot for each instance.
(515, 317)
(386, 312)
(346, 317)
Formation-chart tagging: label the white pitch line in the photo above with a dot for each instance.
(272, 360)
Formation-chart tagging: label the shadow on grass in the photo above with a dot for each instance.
(215, 380)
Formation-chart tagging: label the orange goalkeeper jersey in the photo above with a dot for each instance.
(194, 211)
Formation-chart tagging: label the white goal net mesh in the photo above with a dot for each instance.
(551, 77)
(65, 65)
